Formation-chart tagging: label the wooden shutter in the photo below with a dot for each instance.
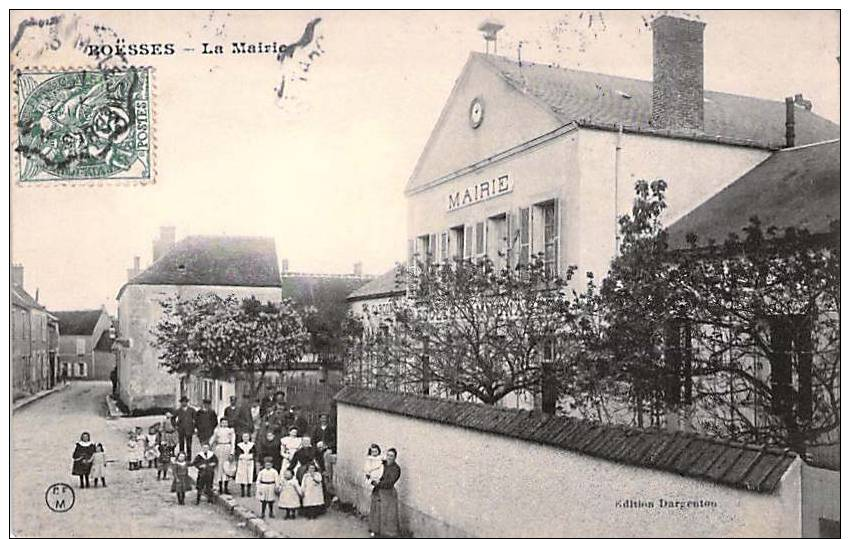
(524, 236)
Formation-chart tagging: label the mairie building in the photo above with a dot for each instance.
(530, 159)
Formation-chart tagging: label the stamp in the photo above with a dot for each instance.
(60, 497)
(84, 125)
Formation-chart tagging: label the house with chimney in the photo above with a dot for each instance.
(241, 266)
(33, 340)
(531, 159)
(85, 344)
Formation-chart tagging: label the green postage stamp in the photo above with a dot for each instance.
(84, 125)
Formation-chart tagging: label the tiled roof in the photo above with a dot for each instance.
(799, 187)
(748, 467)
(389, 284)
(606, 101)
(77, 322)
(215, 260)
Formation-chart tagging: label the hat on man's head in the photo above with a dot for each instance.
(184, 398)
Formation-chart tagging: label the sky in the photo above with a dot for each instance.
(323, 169)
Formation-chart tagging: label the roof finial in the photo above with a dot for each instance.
(489, 28)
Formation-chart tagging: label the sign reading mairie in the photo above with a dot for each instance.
(480, 192)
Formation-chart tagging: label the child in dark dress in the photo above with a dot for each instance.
(182, 482)
(83, 456)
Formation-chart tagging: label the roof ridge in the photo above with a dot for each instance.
(621, 77)
(803, 146)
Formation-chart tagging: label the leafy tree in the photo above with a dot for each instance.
(218, 337)
(469, 330)
(743, 336)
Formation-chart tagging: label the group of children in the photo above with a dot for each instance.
(296, 485)
(153, 449)
(156, 448)
(290, 494)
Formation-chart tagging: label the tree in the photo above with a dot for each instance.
(469, 330)
(216, 337)
(743, 335)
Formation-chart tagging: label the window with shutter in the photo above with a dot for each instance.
(791, 366)
(444, 246)
(524, 236)
(678, 360)
(457, 240)
(497, 240)
(550, 237)
(468, 233)
(480, 239)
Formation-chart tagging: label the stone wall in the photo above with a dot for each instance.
(459, 482)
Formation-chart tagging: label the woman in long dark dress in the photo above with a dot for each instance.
(83, 457)
(383, 514)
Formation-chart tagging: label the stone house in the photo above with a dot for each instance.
(225, 265)
(85, 344)
(32, 342)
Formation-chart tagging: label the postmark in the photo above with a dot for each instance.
(84, 125)
(60, 497)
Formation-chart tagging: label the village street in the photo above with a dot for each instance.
(134, 504)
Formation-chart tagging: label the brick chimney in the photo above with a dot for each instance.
(677, 73)
(790, 122)
(161, 245)
(17, 274)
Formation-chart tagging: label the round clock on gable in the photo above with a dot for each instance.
(476, 112)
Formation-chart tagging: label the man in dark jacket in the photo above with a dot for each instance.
(278, 417)
(184, 421)
(231, 414)
(245, 418)
(296, 419)
(205, 422)
(324, 436)
(268, 446)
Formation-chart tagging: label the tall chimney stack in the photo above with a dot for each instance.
(358, 269)
(135, 270)
(677, 73)
(161, 245)
(284, 265)
(790, 122)
(18, 275)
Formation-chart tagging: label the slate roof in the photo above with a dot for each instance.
(21, 298)
(388, 284)
(799, 187)
(598, 100)
(77, 322)
(754, 468)
(215, 260)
